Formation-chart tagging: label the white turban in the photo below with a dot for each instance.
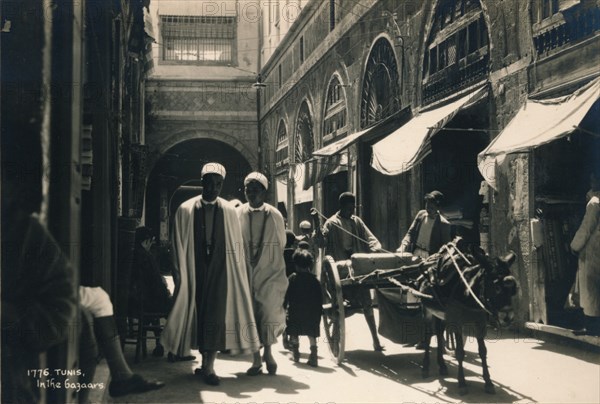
(258, 177)
(213, 168)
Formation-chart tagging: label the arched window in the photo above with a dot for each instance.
(281, 149)
(304, 135)
(380, 91)
(336, 115)
(457, 51)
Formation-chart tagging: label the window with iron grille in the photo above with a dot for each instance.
(457, 54)
(334, 122)
(549, 8)
(209, 40)
(281, 150)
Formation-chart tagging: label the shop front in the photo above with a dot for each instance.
(441, 145)
(377, 198)
(558, 138)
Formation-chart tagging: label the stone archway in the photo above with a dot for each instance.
(167, 142)
(181, 164)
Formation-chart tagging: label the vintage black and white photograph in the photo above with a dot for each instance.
(300, 201)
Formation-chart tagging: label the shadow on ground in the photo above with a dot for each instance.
(405, 368)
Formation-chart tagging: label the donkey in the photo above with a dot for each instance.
(466, 289)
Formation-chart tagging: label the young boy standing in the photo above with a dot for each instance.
(304, 303)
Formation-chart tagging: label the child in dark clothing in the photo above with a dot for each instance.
(288, 252)
(304, 304)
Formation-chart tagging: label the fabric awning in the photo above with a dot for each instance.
(297, 175)
(408, 145)
(148, 26)
(316, 169)
(281, 188)
(339, 145)
(328, 159)
(538, 122)
(149, 39)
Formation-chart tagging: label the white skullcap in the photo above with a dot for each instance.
(258, 177)
(213, 168)
(305, 224)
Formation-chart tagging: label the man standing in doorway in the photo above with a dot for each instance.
(212, 310)
(344, 234)
(264, 236)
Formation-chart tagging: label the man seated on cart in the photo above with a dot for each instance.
(344, 234)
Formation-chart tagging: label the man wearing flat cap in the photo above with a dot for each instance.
(344, 234)
(213, 309)
(429, 230)
(264, 236)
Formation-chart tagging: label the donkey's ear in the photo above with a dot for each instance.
(508, 259)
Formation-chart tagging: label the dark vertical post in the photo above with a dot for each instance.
(258, 128)
(64, 196)
(259, 85)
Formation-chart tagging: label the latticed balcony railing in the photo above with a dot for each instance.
(577, 25)
(456, 77)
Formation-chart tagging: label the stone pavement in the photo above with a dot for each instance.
(523, 369)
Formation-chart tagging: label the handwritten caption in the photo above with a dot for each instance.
(53, 379)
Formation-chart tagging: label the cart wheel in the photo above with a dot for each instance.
(333, 308)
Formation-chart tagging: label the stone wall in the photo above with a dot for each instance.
(177, 111)
(516, 70)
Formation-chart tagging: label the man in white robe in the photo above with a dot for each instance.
(264, 236)
(586, 244)
(213, 308)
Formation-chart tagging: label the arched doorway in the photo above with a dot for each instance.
(179, 169)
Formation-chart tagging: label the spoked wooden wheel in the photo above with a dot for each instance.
(333, 308)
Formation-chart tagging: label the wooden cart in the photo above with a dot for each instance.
(374, 270)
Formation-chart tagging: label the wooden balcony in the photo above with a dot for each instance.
(572, 26)
(469, 70)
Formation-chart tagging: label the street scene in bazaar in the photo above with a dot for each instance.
(325, 201)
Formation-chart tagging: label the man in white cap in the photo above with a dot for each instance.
(264, 241)
(212, 310)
